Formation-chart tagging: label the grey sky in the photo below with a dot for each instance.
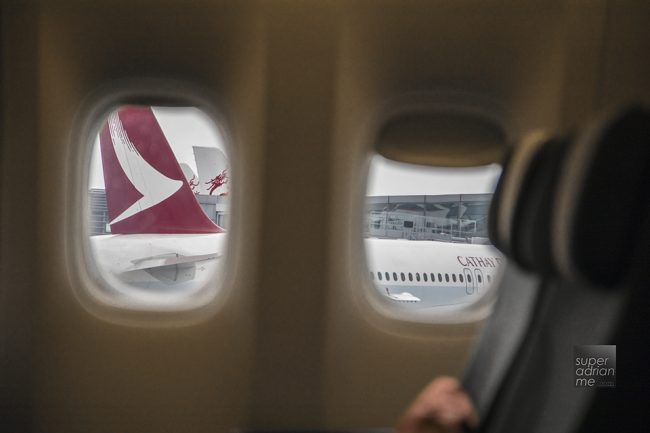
(187, 127)
(388, 177)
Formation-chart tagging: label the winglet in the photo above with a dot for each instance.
(146, 190)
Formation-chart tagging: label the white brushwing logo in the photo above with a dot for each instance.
(154, 186)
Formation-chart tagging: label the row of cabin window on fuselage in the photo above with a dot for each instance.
(460, 278)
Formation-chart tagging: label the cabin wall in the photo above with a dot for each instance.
(409, 54)
(18, 220)
(91, 375)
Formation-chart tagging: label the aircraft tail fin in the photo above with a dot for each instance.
(213, 170)
(146, 190)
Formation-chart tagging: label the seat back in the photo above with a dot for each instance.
(517, 207)
(595, 220)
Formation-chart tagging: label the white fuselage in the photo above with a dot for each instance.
(426, 273)
(159, 261)
(436, 273)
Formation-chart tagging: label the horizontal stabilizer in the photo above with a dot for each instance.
(168, 260)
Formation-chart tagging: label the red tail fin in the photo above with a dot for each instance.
(146, 191)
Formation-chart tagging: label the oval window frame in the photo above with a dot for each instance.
(94, 293)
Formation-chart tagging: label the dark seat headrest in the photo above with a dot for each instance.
(520, 214)
(602, 199)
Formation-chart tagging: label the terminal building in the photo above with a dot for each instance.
(446, 218)
(97, 213)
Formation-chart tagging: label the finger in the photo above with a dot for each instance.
(454, 409)
(425, 425)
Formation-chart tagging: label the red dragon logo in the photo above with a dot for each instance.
(220, 180)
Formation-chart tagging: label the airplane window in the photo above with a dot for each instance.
(489, 279)
(419, 217)
(387, 276)
(158, 204)
(469, 278)
(479, 279)
(394, 276)
(379, 275)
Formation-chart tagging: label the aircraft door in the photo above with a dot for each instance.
(479, 281)
(469, 281)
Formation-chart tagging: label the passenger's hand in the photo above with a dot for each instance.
(442, 407)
